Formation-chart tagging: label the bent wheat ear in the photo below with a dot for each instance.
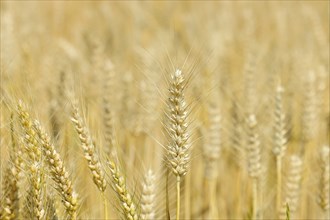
(58, 173)
(119, 185)
(94, 163)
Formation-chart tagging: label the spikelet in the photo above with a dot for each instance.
(119, 185)
(148, 196)
(58, 173)
(177, 125)
(94, 163)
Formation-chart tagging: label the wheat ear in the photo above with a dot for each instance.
(211, 153)
(32, 148)
(280, 141)
(34, 200)
(293, 185)
(10, 202)
(119, 185)
(177, 125)
(58, 173)
(254, 160)
(37, 185)
(148, 196)
(91, 156)
(10, 205)
(108, 113)
(94, 163)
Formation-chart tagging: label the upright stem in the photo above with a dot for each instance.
(105, 206)
(213, 200)
(178, 198)
(279, 183)
(255, 198)
(187, 197)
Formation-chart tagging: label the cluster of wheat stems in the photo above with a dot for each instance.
(164, 110)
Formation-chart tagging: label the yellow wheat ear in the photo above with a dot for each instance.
(58, 173)
(148, 196)
(178, 145)
(119, 185)
(87, 144)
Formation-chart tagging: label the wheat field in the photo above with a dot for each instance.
(164, 110)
